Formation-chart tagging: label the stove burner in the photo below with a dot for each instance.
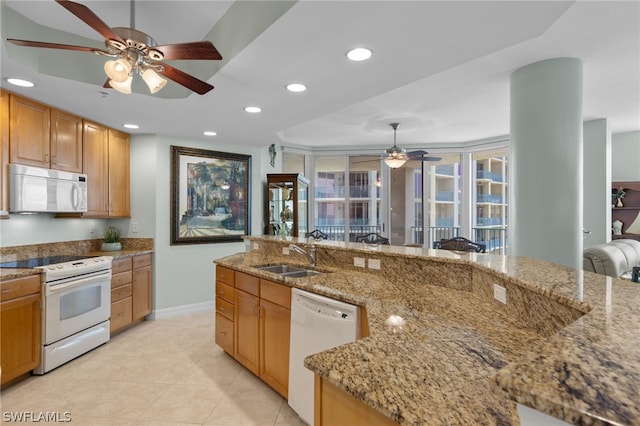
(42, 261)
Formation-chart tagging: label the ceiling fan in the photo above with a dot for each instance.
(135, 51)
(396, 157)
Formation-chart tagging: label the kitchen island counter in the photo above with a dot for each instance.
(565, 343)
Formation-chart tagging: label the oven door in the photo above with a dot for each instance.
(75, 304)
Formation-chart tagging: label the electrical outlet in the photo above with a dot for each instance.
(92, 228)
(500, 293)
(256, 246)
(285, 251)
(374, 263)
(134, 226)
(358, 261)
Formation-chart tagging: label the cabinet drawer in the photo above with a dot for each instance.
(19, 287)
(224, 291)
(248, 283)
(121, 265)
(120, 279)
(224, 333)
(141, 261)
(224, 308)
(276, 293)
(120, 314)
(120, 292)
(224, 274)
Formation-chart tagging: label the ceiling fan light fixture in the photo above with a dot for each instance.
(395, 162)
(153, 80)
(117, 70)
(122, 87)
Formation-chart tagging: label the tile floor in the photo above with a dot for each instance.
(163, 372)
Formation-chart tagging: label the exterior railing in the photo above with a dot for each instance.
(488, 174)
(489, 198)
(494, 238)
(337, 233)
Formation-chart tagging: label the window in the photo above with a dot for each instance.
(490, 203)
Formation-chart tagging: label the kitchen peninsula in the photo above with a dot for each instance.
(565, 343)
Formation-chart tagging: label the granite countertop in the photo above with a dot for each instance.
(462, 360)
(11, 273)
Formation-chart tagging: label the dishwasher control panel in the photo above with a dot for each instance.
(322, 309)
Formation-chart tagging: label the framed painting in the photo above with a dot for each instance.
(210, 196)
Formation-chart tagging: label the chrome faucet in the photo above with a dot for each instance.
(311, 255)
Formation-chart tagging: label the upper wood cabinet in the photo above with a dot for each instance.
(96, 164)
(66, 141)
(119, 175)
(4, 154)
(41, 136)
(29, 134)
(106, 161)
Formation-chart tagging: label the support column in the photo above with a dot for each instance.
(546, 161)
(597, 182)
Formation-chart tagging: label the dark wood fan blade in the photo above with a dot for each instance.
(417, 153)
(184, 79)
(29, 43)
(424, 158)
(193, 50)
(88, 17)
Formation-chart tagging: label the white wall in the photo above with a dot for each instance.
(23, 229)
(183, 274)
(625, 156)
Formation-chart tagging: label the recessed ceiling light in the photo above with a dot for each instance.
(209, 133)
(296, 87)
(19, 82)
(252, 109)
(130, 126)
(359, 54)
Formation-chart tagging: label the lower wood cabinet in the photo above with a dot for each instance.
(335, 407)
(130, 290)
(20, 325)
(261, 322)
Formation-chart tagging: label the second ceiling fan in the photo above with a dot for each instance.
(135, 52)
(396, 157)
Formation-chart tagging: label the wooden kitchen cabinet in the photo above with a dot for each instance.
(275, 324)
(20, 322)
(262, 319)
(141, 286)
(4, 154)
(130, 290)
(119, 184)
(106, 160)
(121, 293)
(66, 142)
(29, 132)
(225, 306)
(335, 407)
(45, 137)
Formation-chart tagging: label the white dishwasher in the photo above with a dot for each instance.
(318, 323)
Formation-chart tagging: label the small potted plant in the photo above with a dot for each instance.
(111, 239)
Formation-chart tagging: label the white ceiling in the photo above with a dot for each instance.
(441, 69)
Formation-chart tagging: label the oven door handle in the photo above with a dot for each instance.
(52, 289)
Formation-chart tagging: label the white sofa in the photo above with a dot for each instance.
(618, 258)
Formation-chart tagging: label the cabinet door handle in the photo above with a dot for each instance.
(224, 333)
(222, 309)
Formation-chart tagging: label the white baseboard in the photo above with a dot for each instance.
(181, 310)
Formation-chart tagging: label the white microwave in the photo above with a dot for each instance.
(38, 190)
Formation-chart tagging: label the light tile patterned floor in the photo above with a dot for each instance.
(163, 372)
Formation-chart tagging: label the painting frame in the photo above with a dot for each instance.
(210, 196)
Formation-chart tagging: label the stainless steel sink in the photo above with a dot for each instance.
(306, 273)
(289, 271)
